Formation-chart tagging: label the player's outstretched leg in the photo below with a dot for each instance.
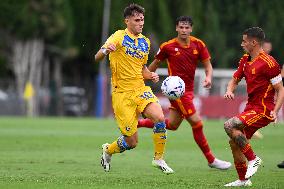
(253, 165)
(118, 146)
(201, 141)
(106, 158)
(238, 183)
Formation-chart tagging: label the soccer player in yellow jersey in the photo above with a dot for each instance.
(128, 54)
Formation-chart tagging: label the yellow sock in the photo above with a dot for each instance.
(159, 144)
(113, 148)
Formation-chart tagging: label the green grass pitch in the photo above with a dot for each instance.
(65, 153)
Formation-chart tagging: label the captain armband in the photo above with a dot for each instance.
(276, 79)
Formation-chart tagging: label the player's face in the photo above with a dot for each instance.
(248, 44)
(183, 29)
(135, 23)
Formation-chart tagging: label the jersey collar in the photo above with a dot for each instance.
(183, 46)
(250, 61)
(132, 35)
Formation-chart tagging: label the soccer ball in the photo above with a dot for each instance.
(173, 87)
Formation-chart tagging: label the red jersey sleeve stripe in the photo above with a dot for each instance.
(169, 67)
(262, 101)
(196, 39)
(267, 60)
(268, 89)
(166, 43)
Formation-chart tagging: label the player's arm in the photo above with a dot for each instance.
(147, 74)
(103, 52)
(208, 74)
(232, 85)
(154, 65)
(278, 86)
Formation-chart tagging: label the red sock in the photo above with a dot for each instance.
(145, 123)
(200, 139)
(248, 152)
(241, 168)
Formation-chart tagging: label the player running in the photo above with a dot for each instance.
(263, 78)
(128, 53)
(182, 55)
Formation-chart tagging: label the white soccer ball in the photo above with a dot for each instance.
(173, 87)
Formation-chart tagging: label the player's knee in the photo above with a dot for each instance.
(159, 118)
(227, 127)
(232, 126)
(159, 127)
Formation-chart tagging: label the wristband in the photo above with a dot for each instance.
(105, 52)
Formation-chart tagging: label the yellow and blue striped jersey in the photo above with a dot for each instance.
(127, 61)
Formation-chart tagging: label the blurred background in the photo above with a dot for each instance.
(47, 50)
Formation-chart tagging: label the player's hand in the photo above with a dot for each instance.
(229, 95)
(207, 83)
(273, 114)
(110, 48)
(154, 77)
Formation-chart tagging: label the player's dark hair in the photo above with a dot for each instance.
(184, 19)
(133, 8)
(255, 32)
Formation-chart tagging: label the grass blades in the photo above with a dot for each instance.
(65, 153)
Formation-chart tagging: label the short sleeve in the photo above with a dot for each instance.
(113, 39)
(204, 53)
(161, 54)
(274, 72)
(239, 73)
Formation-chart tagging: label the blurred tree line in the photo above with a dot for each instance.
(51, 43)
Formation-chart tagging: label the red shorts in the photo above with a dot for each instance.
(184, 105)
(253, 120)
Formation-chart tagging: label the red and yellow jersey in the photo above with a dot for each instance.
(182, 60)
(259, 73)
(127, 61)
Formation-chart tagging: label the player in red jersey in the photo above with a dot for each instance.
(182, 54)
(263, 78)
(267, 48)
